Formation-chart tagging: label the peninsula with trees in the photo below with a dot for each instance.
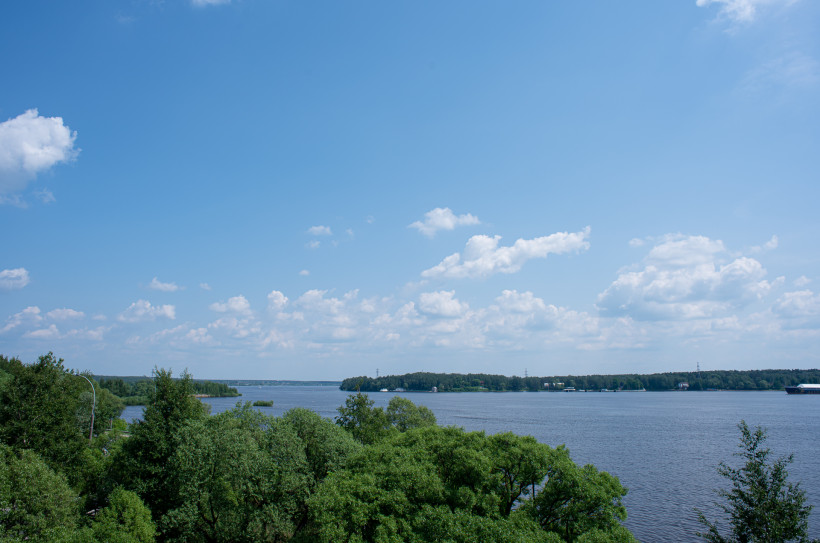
(481, 382)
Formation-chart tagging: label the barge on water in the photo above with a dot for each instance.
(803, 389)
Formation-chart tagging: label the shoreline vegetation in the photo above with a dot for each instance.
(480, 382)
(134, 390)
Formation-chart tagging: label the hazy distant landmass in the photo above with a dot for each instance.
(480, 382)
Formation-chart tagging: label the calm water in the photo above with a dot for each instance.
(664, 446)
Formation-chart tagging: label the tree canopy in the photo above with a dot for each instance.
(762, 505)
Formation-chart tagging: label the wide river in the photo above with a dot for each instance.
(664, 446)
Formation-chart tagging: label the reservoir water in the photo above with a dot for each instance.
(664, 446)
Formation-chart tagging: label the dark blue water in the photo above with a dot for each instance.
(664, 446)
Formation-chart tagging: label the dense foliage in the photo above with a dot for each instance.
(761, 504)
(474, 382)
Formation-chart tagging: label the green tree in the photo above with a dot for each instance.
(404, 414)
(367, 424)
(36, 504)
(326, 445)
(430, 484)
(142, 465)
(242, 476)
(522, 463)
(38, 410)
(762, 505)
(125, 520)
(578, 499)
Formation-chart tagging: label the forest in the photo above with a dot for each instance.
(381, 475)
(136, 390)
(478, 382)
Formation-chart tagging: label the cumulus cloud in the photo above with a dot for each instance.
(29, 315)
(313, 244)
(802, 281)
(314, 300)
(768, 246)
(483, 257)
(205, 286)
(203, 3)
(685, 277)
(304, 273)
(742, 11)
(31, 144)
(14, 279)
(156, 284)
(64, 314)
(803, 303)
(44, 333)
(799, 310)
(142, 310)
(441, 304)
(320, 230)
(442, 219)
(277, 301)
(236, 304)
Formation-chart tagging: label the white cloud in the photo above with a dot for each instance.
(95, 334)
(64, 314)
(304, 273)
(199, 336)
(514, 302)
(31, 144)
(803, 303)
(442, 304)
(205, 286)
(156, 284)
(45, 196)
(442, 219)
(742, 11)
(802, 281)
(142, 310)
(315, 300)
(277, 301)
(202, 3)
(30, 314)
(236, 304)
(14, 279)
(768, 246)
(320, 231)
(44, 333)
(313, 244)
(483, 257)
(798, 311)
(685, 277)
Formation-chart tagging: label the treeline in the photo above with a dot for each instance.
(473, 382)
(373, 476)
(137, 390)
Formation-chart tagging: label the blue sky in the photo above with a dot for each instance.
(313, 190)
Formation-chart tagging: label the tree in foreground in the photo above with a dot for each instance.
(36, 503)
(762, 506)
(579, 503)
